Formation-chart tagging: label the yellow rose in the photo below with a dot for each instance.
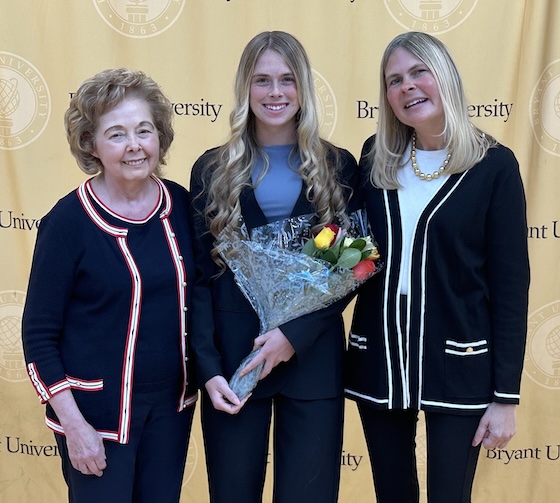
(324, 239)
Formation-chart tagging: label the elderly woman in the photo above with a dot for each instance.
(105, 321)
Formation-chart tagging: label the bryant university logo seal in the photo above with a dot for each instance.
(542, 361)
(12, 363)
(192, 459)
(433, 16)
(544, 109)
(25, 103)
(139, 18)
(326, 105)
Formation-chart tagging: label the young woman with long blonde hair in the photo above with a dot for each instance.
(274, 166)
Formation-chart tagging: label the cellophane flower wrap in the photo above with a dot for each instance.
(280, 270)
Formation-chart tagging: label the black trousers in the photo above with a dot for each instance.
(451, 460)
(146, 470)
(306, 455)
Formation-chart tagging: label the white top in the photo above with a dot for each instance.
(414, 196)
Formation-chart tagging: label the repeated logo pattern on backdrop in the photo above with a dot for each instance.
(326, 101)
(192, 460)
(545, 109)
(542, 363)
(25, 115)
(139, 18)
(25, 103)
(12, 364)
(430, 15)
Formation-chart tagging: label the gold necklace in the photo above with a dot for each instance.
(417, 172)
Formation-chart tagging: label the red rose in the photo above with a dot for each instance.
(362, 270)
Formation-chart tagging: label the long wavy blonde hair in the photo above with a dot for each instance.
(468, 144)
(231, 171)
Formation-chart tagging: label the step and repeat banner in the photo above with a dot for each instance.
(509, 56)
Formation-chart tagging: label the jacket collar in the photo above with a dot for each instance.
(253, 214)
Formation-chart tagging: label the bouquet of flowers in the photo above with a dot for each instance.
(334, 246)
(285, 272)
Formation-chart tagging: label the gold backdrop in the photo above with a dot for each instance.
(509, 55)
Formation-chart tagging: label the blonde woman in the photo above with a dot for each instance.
(274, 166)
(444, 332)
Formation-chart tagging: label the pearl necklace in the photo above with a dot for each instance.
(420, 174)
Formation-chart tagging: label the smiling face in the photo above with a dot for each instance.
(413, 94)
(274, 100)
(127, 142)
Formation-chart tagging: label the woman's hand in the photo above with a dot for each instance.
(274, 347)
(496, 427)
(222, 397)
(86, 449)
(85, 446)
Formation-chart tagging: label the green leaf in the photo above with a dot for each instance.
(329, 256)
(358, 244)
(336, 247)
(309, 248)
(349, 258)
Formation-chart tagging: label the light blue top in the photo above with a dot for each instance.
(279, 190)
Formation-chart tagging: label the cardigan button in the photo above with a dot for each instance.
(470, 350)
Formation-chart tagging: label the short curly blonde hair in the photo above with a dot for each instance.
(100, 94)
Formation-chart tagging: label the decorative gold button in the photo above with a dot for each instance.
(470, 350)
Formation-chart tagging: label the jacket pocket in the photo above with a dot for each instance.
(466, 349)
(358, 342)
(468, 373)
(85, 384)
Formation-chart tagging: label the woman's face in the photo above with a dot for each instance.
(413, 93)
(127, 142)
(273, 100)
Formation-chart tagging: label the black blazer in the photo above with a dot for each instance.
(224, 325)
(464, 345)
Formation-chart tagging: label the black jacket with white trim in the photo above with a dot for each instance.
(464, 339)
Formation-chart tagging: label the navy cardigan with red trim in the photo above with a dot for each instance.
(88, 292)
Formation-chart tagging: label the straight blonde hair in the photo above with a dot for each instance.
(467, 144)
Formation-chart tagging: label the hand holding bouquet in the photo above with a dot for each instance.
(285, 272)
